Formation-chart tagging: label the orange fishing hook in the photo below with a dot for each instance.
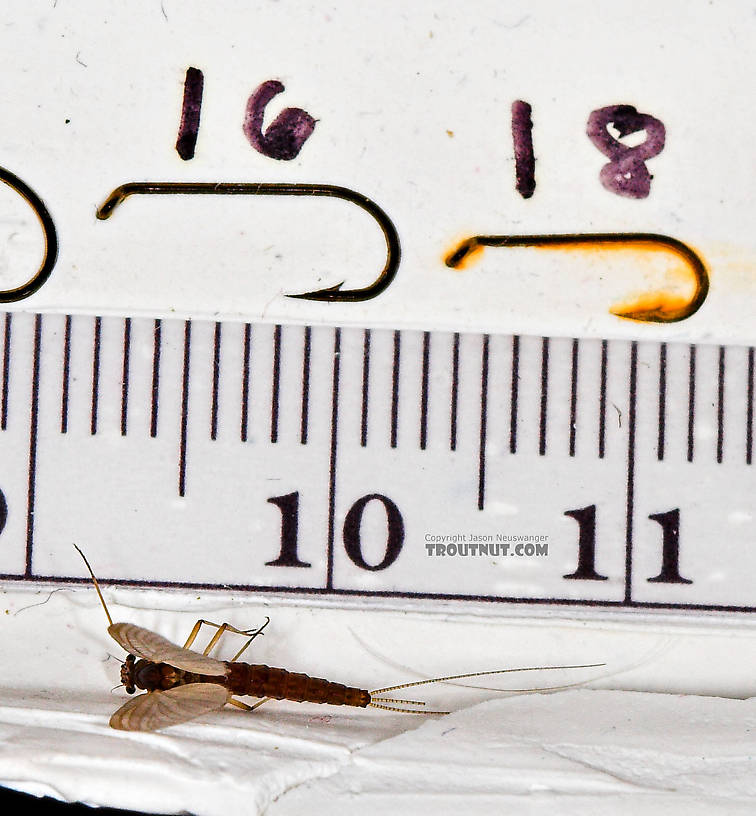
(643, 240)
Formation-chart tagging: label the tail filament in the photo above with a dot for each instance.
(379, 701)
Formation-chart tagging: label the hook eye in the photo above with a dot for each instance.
(51, 239)
(651, 307)
(331, 293)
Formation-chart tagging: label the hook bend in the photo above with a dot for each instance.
(51, 239)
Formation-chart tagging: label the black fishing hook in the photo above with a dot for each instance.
(51, 239)
(330, 293)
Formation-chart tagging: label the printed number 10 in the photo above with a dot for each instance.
(289, 507)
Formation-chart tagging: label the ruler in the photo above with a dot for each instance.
(377, 463)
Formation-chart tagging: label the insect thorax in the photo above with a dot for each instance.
(144, 674)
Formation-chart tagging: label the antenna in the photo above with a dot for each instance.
(96, 585)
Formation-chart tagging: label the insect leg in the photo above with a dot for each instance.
(222, 628)
(244, 706)
(253, 635)
(193, 634)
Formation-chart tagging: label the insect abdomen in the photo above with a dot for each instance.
(258, 680)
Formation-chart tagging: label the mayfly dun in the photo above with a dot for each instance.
(181, 684)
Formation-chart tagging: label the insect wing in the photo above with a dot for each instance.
(154, 647)
(159, 709)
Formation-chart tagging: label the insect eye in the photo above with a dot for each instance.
(130, 689)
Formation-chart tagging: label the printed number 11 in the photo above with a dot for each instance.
(586, 567)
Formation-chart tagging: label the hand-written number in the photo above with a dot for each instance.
(286, 134)
(3, 511)
(626, 174)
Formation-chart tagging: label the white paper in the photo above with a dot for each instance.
(412, 104)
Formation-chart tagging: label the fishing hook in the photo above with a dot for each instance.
(330, 293)
(51, 239)
(642, 240)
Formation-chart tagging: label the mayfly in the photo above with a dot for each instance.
(182, 684)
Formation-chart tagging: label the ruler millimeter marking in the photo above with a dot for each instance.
(378, 463)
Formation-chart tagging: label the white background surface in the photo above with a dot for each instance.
(631, 751)
(388, 83)
(413, 106)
